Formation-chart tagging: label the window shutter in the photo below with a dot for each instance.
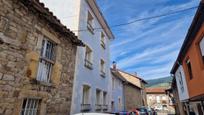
(32, 59)
(202, 46)
(56, 73)
(57, 68)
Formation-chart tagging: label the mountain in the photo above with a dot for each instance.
(159, 82)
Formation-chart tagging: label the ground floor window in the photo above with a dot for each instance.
(30, 106)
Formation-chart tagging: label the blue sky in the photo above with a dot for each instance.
(147, 47)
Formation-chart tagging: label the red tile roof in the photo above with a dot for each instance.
(155, 90)
(44, 13)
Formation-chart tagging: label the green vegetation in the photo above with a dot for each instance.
(160, 82)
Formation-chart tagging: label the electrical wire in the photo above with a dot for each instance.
(142, 19)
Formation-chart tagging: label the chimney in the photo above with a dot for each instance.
(114, 65)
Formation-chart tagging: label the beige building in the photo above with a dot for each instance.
(133, 88)
(158, 99)
(37, 55)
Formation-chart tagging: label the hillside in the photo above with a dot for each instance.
(160, 82)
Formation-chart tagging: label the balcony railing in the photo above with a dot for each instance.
(103, 44)
(98, 107)
(105, 107)
(90, 27)
(85, 107)
(103, 74)
(88, 64)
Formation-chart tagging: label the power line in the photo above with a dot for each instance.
(142, 19)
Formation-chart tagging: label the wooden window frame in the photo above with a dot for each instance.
(90, 21)
(85, 105)
(88, 58)
(47, 61)
(189, 68)
(102, 68)
(103, 45)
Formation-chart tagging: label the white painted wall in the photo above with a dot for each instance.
(84, 75)
(183, 95)
(117, 92)
(73, 13)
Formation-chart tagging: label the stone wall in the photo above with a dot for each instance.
(133, 97)
(21, 34)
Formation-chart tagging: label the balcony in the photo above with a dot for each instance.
(105, 107)
(103, 44)
(88, 64)
(90, 28)
(85, 107)
(103, 74)
(98, 107)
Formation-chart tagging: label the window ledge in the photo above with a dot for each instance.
(34, 81)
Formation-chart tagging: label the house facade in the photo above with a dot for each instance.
(174, 95)
(37, 60)
(92, 81)
(191, 59)
(118, 98)
(133, 87)
(158, 99)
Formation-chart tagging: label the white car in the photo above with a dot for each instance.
(93, 114)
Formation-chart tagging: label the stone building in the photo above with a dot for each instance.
(37, 60)
(134, 88)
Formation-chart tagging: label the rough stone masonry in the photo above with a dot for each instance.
(23, 26)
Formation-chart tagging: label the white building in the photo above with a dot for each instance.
(181, 84)
(118, 98)
(92, 82)
(92, 89)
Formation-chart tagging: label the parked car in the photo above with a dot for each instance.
(123, 113)
(158, 108)
(139, 111)
(94, 114)
(151, 111)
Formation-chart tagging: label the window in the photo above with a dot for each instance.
(181, 82)
(104, 98)
(103, 40)
(88, 58)
(188, 63)
(202, 48)
(158, 99)
(30, 106)
(113, 83)
(85, 106)
(102, 67)
(98, 97)
(90, 23)
(86, 94)
(119, 104)
(46, 63)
